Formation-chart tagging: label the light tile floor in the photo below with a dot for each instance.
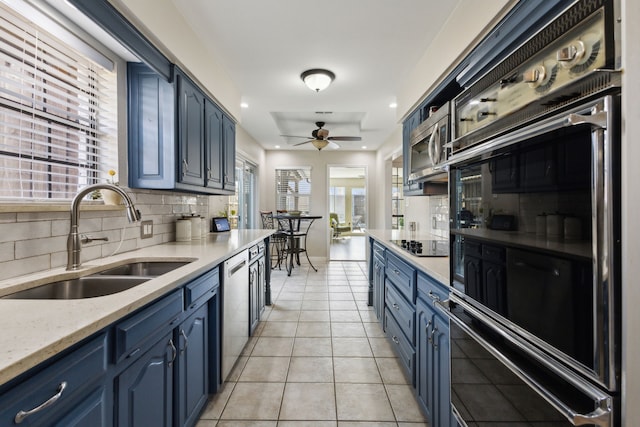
(319, 358)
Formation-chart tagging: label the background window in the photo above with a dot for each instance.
(57, 114)
(293, 189)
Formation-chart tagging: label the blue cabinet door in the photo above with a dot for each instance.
(190, 132)
(229, 153)
(145, 389)
(440, 372)
(433, 350)
(193, 366)
(424, 356)
(151, 129)
(213, 145)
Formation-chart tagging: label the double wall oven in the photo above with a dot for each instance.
(534, 180)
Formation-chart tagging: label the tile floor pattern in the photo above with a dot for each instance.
(319, 358)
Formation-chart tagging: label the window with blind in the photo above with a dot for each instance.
(293, 189)
(58, 128)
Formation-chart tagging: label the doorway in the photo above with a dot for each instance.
(347, 213)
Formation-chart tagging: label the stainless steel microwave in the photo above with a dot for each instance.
(428, 146)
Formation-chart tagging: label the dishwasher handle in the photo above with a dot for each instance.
(233, 270)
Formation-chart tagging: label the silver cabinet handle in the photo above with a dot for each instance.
(426, 329)
(433, 296)
(185, 167)
(174, 352)
(186, 341)
(395, 339)
(396, 271)
(433, 341)
(22, 415)
(396, 306)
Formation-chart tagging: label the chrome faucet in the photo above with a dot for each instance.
(74, 244)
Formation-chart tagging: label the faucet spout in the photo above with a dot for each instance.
(74, 243)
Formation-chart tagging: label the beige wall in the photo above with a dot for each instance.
(319, 161)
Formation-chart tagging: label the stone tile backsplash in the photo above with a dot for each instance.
(37, 241)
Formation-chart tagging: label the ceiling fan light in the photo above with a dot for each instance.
(320, 143)
(317, 79)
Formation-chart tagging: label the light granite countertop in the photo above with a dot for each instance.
(35, 330)
(436, 267)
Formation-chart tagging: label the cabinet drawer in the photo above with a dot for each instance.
(472, 248)
(493, 253)
(430, 289)
(402, 275)
(402, 311)
(133, 332)
(204, 286)
(405, 351)
(378, 251)
(69, 377)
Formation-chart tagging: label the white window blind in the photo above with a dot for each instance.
(57, 114)
(293, 189)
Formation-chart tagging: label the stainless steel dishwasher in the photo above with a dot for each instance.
(235, 310)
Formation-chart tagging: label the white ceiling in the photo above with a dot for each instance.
(370, 45)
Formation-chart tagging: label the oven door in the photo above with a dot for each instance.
(499, 379)
(549, 284)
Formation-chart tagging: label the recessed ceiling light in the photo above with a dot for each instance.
(244, 105)
(364, 147)
(393, 105)
(277, 146)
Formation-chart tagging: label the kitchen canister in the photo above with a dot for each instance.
(196, 227)
(555, 226)
(183, 230)
(572, 228)
(541, 225)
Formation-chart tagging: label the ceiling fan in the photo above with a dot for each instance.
(321, 138)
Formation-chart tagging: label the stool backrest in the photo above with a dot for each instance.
(267, 219)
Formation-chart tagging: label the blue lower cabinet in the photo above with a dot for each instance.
(193, 366)
(144, 391)
(93, 411)
(64, 385)
(433, 365)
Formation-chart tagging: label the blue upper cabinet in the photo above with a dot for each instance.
(213, 136)
(190, 132)
(229, 153)
(179, 139)
(151, 129)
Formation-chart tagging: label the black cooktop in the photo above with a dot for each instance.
(424, 248)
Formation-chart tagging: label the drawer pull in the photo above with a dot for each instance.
(395, 339)
(395, 270)
(22, 415)
(396, 306)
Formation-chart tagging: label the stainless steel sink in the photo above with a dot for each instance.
(143, 268)
(106, 282)
(82, 287)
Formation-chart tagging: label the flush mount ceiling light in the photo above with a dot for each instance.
(317, 79)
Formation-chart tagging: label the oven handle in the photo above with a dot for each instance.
(602, 416)
(578, 116)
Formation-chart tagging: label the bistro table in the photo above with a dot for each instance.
(291, 224)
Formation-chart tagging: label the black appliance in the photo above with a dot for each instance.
(424, 248)
(537, 151)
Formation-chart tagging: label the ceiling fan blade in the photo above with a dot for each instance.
(300, 143)
(345, 138)
(333, 145)
(295, 136)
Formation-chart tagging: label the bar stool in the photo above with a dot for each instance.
(277, 241)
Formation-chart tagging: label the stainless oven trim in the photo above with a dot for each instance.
(600, 115)
(601, 416)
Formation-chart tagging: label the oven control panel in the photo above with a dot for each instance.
(570, 57)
